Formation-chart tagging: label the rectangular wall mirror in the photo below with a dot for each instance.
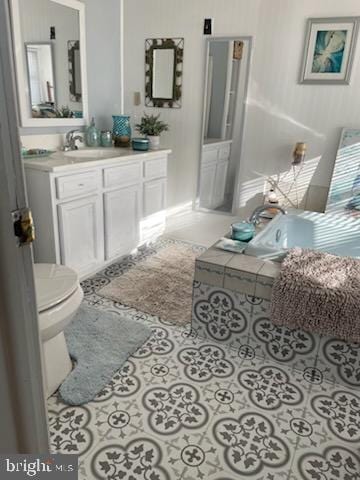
(49, 41)
(225, 91)
(163, 72)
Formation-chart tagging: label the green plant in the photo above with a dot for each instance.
(64, 112)
(151, 125)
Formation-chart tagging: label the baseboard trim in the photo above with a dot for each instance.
(182, 208)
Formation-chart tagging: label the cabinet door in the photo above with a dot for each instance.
(220, 183)
(207, 185)
(154, 197)
(81, 233)
(122, 218)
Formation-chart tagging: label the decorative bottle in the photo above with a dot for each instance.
(92, 135)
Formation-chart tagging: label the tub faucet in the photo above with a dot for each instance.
(254, 217)
(71, 140)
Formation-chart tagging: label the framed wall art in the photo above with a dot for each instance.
(329, 50)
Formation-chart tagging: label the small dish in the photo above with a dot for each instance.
(37, 153)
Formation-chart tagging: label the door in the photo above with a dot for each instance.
(81, 233)
(154, 197)
(207, 185)
(220, 183)
(122, 218)
(23, 411)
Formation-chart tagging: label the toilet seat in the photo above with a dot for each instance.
(53, 284)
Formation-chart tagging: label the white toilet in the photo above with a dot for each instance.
(59, 295)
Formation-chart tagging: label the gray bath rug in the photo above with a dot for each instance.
(161, 285)
(100, 343)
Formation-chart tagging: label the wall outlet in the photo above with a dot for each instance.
(137, 99)
(208, 26)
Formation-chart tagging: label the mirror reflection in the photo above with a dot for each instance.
(163, 73)
(51, 35)
(225, 92)
(74, 70)
(41, 76)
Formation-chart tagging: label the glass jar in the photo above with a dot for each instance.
(106, 138)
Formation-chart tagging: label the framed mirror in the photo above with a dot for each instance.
(226, 78)
(49, 42)
(344, 193)
(163, 72)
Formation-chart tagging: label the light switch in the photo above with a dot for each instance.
(208, 26)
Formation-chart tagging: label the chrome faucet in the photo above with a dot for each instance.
(254, 217)
(71, 140)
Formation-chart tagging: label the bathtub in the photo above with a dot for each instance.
(330, 233)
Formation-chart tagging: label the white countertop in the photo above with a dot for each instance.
(61, 161)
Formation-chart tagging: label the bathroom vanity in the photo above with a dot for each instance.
(92, 206)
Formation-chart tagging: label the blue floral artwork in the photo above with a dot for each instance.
(329, 51)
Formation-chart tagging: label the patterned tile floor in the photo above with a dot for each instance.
(185, 408)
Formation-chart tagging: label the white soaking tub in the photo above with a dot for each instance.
(336, 234)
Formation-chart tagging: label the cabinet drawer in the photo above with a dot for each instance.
(224, 152)
(123, 175)
(155, 168)
(209, 156)
(76, 185)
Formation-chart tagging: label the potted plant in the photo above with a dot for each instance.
(151, 126)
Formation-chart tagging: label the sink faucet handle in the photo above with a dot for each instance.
(70, 133)
(255, 216)
(71, 140)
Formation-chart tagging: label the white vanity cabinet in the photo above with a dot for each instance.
(89, 213)
(214, 172)
(122, 220)
(80, 238)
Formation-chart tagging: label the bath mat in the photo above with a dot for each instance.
(100, 343)
(161, 285)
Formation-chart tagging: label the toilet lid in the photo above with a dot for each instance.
(53, 284)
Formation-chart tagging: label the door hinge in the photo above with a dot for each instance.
(24, 229)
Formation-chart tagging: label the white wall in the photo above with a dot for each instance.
(280, 111)
(103, 60)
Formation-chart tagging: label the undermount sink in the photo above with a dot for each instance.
(96, 153)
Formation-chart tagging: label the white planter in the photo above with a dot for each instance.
(154, 142)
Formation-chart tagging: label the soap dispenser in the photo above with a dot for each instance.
(92, 135)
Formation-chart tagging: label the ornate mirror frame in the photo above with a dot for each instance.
(151, 44)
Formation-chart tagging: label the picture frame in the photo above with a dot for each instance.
(329, 50)
(238, 49)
